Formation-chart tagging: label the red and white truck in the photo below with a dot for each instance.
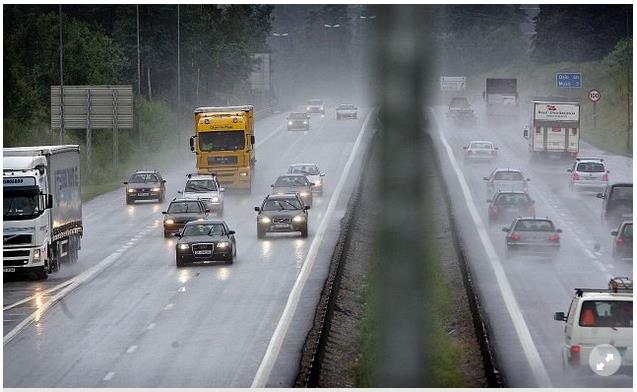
(554, 130)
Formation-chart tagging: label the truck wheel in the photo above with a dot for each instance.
(42, 273)
(260, 232)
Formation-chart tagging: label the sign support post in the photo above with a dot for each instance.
(594, 96)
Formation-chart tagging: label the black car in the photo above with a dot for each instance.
(145, 185)
(182, 211)
(281, 213)
(533, 237)
(460, 110)
(623, 241)
(618, 203)
(298, 122)
(504, 206)
(205, 241)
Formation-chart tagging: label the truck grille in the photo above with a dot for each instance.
(231, 160)
(19, 239)
(14, 263)
(15, 253)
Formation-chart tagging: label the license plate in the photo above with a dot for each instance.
(8, 270)
(281, 226)
(142, 194)
(203, 252)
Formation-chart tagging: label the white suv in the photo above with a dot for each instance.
(204, 187)
(588, 174)
(595, 317)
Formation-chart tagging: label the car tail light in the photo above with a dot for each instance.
(620, 241)
(605, 177)
(575, 353)
(575, 177)
(515, 236)
(554, 237)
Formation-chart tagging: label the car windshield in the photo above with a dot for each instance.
(203, 229)
(185, 207)
(16, 207)
(591, 167)
(487, 146)
(346, 107)
(622, 193)
(512, 199)
(143, 177)
(291, 181)
(628, 231)
(281, 204)
(304, 169)
(509, 176)
(610, 314)
(298, 116)
(200, 186)
(315, 102)
(459, 103)
(221, 141)
(534, 225)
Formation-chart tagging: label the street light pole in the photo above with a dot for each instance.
(62, 130)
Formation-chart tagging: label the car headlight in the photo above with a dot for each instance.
(36, 255)
(289, 122)
(308, 108)
(223, 245)
(305, 122)
(183, 246)
(215, 200)
(304, 194)
(298, 218)
(130, 190)
(155, 189)
(169, 221)
(317, 183)
(265, 219)
(243, 174)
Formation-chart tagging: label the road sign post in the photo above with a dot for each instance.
(594, 96)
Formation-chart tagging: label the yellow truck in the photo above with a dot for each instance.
(224, 144)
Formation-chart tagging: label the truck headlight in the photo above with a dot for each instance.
(223, 245)
(265, 219)
(131, 190)
(298, 218)
(36, 255)
(317, 183)
(215, 200)
(183, 246)
(155, 189)
(304, 194)
(289, 122)
(169, 221)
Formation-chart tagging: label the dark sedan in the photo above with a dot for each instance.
(182, 211)
(504, 206)
(623, 242)
(282, 213)
(145, 185)
(298, 122)
(204, 242)
(532, 237)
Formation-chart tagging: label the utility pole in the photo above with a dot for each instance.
(139, 83)
(62, 130)
(178, 84)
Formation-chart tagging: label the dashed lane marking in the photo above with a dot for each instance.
(108, 376)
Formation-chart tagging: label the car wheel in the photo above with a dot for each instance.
(179, 263)
(129, 200)
(166, 234)
(230, 260)
(260, 232)
(304, 232)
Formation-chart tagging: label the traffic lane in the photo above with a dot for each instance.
(108, 210)
(572, 268)
(276, 254)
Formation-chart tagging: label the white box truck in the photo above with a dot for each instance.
(554, 129)
(42, 215)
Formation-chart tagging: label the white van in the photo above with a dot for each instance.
(599, 316)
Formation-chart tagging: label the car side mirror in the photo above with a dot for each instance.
(231, 232)
(607, 171)
(559, 316)
(180, 192)
(163, 181)
(222, 189)
(322, 174)
(505, 229)
(125, 182)
(207, 211)
(485, 178)
(306, 208)
(525, 133)
(257, 209)
(465, 147)
(614, 232)
(489, 200)
(252, 140)
(599, 195)
(271, 185)
(49, 201)
(558, 230)
(569, 170)
(178, 235)
(192, 143)
(163, 212)
(528, 179)
(312, 184)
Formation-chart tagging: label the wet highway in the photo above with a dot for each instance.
(520, 295)
(127, 317)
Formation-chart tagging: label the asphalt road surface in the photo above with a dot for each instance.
(539, 287)
(127, 317)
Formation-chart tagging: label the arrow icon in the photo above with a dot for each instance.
(609, 357)
(600, 366)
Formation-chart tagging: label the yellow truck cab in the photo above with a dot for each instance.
(224, 144)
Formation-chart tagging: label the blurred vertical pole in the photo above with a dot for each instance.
(401, 53)
(62, 130)
(178, 84)
(139, 83)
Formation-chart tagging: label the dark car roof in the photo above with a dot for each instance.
(183, 199)
(533, 218)
(282, 196)
(206, 222)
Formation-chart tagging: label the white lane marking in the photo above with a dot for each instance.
(151, 326)
(168, 306)
(131, 349)
(276, 341)
(108, 376)
(41, 293)
(508, 296)
(260, 142)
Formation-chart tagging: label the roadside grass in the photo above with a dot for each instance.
(443, 356)
(91, 191)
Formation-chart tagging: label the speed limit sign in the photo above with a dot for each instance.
(594, 95)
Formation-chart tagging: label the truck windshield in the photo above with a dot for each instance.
(21, 206)
(222, 141)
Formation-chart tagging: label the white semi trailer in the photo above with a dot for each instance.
(42, 215)
(554, 130)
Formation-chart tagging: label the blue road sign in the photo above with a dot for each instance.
(568, 80)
